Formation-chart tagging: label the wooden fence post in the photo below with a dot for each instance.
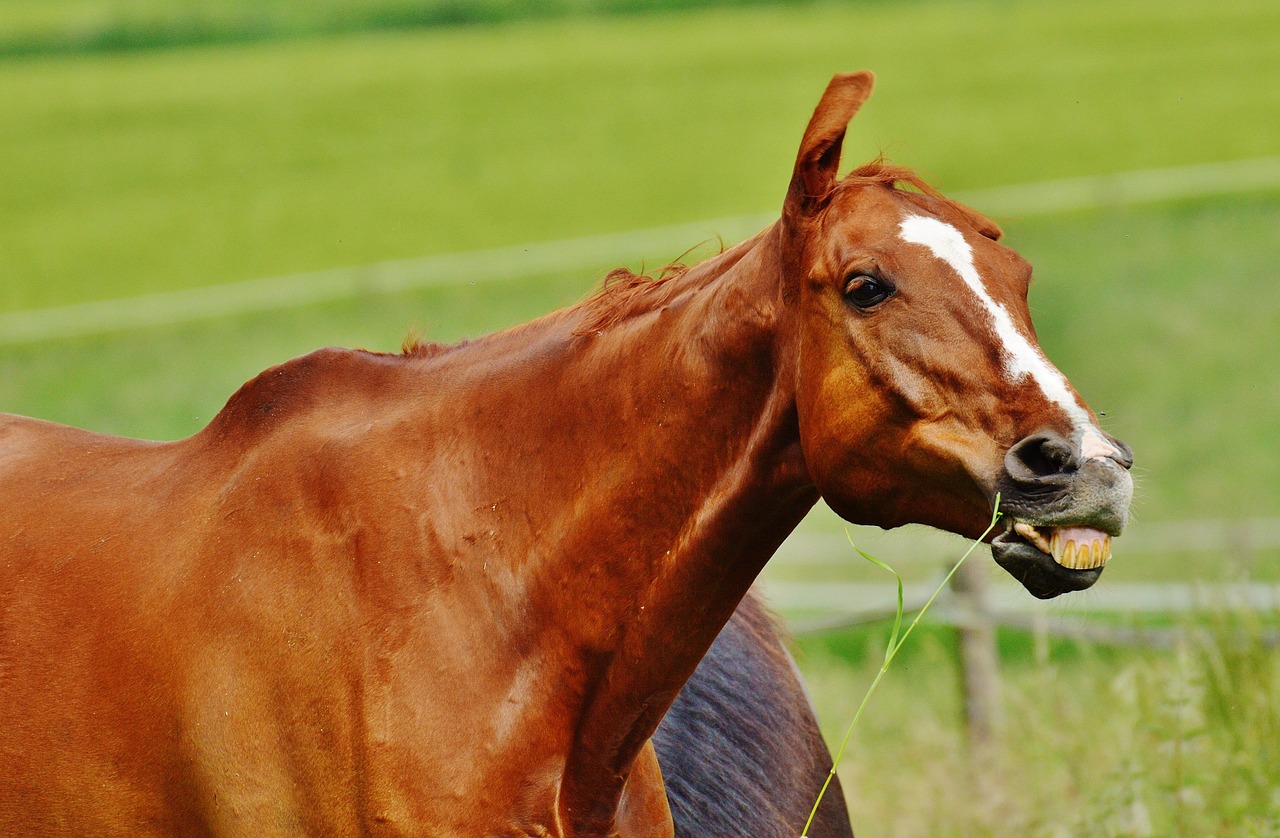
(978, 656)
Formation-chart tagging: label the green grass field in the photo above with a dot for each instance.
(138, 172)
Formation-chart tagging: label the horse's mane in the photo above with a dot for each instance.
(625, 293)
(415, 346)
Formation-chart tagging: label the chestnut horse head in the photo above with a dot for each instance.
(915, 339)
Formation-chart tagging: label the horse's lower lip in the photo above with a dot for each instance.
(1036, 569)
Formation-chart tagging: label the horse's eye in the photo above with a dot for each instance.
(867, 291)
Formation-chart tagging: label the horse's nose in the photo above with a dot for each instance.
(1123, 453)
(1047, 457)
(1051, 480)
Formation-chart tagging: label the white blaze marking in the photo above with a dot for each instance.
(1021, 357)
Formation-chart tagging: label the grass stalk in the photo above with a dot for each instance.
(895, 644)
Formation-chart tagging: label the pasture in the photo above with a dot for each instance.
(134, 173)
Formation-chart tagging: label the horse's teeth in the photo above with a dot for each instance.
(1082, 555)
(1032, 535)
(1088, 550)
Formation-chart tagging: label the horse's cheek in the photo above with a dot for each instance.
(832, 403)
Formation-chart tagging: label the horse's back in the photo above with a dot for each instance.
(30, 448)
(75, 502)
(142, 588)
(76, 635)
(69, 498)
(740, 749)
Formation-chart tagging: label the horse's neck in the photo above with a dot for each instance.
(688, 440)
(662, 470)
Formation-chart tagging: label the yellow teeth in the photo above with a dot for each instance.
(1033, 535)
(1077, 548)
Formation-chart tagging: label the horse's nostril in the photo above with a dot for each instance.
(1125, 453)
(1042, 455)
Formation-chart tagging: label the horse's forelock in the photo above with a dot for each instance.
(880, 172)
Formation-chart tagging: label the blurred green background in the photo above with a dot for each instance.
(148, 147)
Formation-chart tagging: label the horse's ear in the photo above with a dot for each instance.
(819, 156)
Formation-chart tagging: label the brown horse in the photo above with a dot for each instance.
(453, 592)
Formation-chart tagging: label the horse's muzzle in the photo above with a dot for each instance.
(1062, 510)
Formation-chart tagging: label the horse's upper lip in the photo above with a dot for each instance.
(1097, 495)
(1060, 522)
